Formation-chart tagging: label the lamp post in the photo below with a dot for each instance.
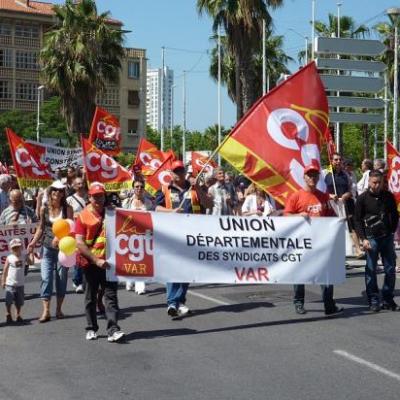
(306, 42)
(172, 113)
(394, 14)
(39, 95)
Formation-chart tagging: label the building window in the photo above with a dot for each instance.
(27, 31)
(133, 125)
(26, 60)
(5, 29)
(5, 90)
(26, 91)
(6, 58)
(133, 98)
(110, 97)
(133, 69)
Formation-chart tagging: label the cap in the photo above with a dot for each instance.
(178, 164)
(96, 188)
(15, 243)
(311, 168)
(57, 185)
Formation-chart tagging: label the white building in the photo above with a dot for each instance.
(153, 98)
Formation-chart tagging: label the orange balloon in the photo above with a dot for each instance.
(61, 228)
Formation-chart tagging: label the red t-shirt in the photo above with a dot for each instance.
(315, 204)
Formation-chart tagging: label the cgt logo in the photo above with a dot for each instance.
(105, 165)
(149, 161)
(134, 244)
(107, 131)
(25, 160)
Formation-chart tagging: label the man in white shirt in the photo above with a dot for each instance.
(222, 194)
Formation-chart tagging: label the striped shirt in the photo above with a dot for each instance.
(24, 215)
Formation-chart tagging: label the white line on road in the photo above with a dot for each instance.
(203, 296)
(368, 364)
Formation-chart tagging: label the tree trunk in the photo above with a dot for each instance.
(238, 96)
(365, 135)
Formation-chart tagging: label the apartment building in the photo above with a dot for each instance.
(22, 25)
(154, 95)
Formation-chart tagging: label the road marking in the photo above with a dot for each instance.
(368, 364)
(212, 299)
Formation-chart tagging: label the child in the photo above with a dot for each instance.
(13, 279)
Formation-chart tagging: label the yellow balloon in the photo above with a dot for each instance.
(67, 245)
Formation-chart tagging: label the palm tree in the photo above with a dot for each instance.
(79, 56)
(242, 21)
(275, 65)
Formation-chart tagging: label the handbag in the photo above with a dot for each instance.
(81, 260)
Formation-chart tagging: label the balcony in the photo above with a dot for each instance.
(25, 105)
(6, 105)
(6, 73)
(5, 40)
(26, 42)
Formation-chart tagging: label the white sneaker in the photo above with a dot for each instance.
(74, 286)
(116, 336)
(140, 287)
(79, 289)
(183, 310)
(91, 335)
(129, 286)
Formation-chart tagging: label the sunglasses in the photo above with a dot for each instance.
(58, 190)
(139, 187)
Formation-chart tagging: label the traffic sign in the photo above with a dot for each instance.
(351, 47)
(357, 118)
(350, 65)
(353, 83)
(355, 102)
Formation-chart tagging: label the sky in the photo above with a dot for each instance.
(176, 25)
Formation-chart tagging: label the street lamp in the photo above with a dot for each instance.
(39, 92)
(394, 14)
(305, 38)
(172, 112)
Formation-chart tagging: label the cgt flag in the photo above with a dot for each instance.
(105, 132)
(198, 163)
(162, 177)
(100, 167)
(148, 158)
(281, 135)
(31, 172)
(393, 175)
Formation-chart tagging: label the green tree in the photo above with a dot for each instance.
(242, 23)
(80, 55)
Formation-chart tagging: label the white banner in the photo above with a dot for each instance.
(169, 247)
(59, 157)
(24, 232)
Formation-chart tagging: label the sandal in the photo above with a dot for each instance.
(60, 315)
(44, 318)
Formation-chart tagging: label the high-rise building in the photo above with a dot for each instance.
(153, 98)
(22, 25)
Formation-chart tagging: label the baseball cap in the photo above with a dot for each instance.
(15, 243)
(57, 185)
(96, 188)
(178, 164)
(311, 168)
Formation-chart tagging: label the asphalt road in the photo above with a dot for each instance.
(241, 342)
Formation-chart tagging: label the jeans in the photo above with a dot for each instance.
(48, 268)
(327, 296)
(77, 276)
(96, 278)
(176, 293)
(385, 247)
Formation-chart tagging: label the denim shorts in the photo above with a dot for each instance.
(14, 295)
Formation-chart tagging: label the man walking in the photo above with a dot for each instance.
(376, 219)
(310, 202)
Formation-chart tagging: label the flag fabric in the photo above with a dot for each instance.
(281, 134)
(105, 132)
(393, 175)
(100, 167)
(163, 176)
(330, 144)
(148, 157)
(30, 171)
(199, 161)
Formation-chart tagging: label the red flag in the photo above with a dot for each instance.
(393, 175)
(30, 171)
(281, 135)
(100, 167)
(330, 144)
(105, 132)
(163, 176)
(148, 158)
(199, 161)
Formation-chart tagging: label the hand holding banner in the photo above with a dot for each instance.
(105, 132)
(102, 168)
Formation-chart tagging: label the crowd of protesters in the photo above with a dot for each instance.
(367, 205)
